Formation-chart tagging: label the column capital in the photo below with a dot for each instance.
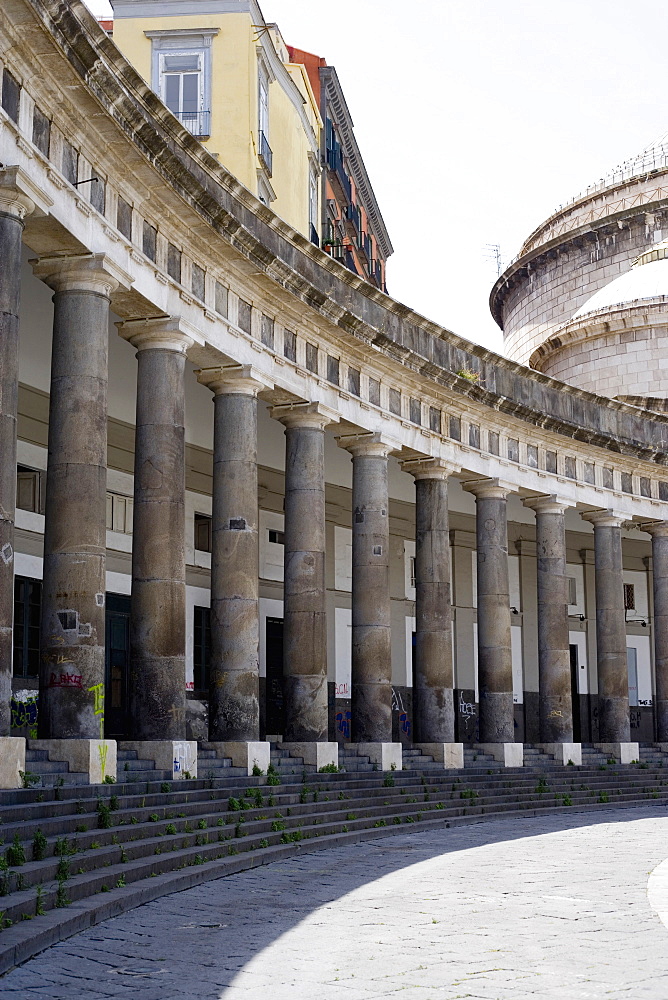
(19, 195)
(367, 443)
(497, 489)
(237, 380)
(605, 518)
(304, 415)
(162, 333)
(429, 468)
(657, 529)
(548, 504)
(93, 272)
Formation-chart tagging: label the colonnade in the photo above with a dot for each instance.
(73, 662)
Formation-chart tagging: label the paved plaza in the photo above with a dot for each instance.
(554, 908)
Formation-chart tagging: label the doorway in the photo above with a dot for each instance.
(274, 698)
(575, 697)
(117, 666)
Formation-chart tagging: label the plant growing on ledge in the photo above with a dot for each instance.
(469, 375)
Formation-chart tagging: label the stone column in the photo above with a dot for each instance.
(157, 612)
(73, 590)
(659, 532)
(14, 206)
(234, 708)
(554, 667)
(433, 705)
(371, 636)
(495, 665)
(304, 611)
(613, 676)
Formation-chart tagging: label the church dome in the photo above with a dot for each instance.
(646, 279)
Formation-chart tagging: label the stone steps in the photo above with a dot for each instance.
(126, 835)
(51, 773)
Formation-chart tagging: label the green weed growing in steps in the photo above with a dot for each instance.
(15, 854)
(39, 846)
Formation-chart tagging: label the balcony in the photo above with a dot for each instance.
(198, 123)
(335, 163)
(266, 155)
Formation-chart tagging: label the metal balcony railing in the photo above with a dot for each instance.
(198, 123)
(266, 154)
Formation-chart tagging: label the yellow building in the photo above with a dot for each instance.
(225, 73)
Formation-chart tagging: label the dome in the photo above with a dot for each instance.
(647, 279)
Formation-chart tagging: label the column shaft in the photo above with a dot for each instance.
(371, 635)
(157, 615)
(495, 666)
(73, 589)
(305, 620)
(660, 590)
(554, 667)
(234, 712)
(433, 709)
(613, 677)
(11, 229)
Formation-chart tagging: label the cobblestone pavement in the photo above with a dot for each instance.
(552, 908)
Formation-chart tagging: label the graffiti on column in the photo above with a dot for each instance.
(398, 706)
(24, 707)
(98, 694)
(343, 723)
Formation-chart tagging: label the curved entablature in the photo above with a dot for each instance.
(245, 277)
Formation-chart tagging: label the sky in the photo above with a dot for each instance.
(476, 119)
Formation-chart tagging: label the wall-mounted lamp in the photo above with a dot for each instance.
(637, 621)
(514, 611)
(579, 618)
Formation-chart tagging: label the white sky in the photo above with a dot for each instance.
(477, 118)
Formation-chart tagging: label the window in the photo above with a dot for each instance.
(221, 299)
(551, 461)
(267, 332)
(313, 204)
(629, 597)
(455, 428)
(435, 419)
(182, 88)
(312, 358)
(149, 240)
(374, 392)
(474, 435)
(532, 456)
(173, 262)
(41, 131)
(333, 370)
(30, 489)
(244, 315)
(608, 478)
(354, 381)
(202, 532)
(201, 648)
(570, 467)
(96, 192)
(290, 345)
(276, 537)
(70, 162)
(197, 282)
(572, 590)
(395, 401)
(119, 513)
(124, 218)
(513, 450)
(411, 566)
(263, 104)
(415, 410)
(27, 607)
(11, 95)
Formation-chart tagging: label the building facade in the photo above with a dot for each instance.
(259, 497)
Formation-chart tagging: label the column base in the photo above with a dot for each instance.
(450, 755)
(243, 753)
(314, 754)
(508, 754)
(563, 753)
(96, 758)
(624, 753)
(177, 756)
(12, 761)
(388, 756)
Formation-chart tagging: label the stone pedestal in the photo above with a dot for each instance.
(563, 753)
(12, 761)
(388, 756)
(508, 754)
(177, 756)
(96, 758)
(314, 754)
(450, 755)
(243, 753)
(623, 753)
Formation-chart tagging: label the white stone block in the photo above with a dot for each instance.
(96, 758)
(624, 753)
(177, 756)
(248, 754)
(388, 756)
(450, 755)
(314, 754)
(563, 753)
(12, 761)
(508, 754)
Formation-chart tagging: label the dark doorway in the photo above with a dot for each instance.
(117, 663)
(575, 697)
(275, 707)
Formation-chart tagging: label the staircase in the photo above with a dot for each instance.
(131, 767)
(44, 773)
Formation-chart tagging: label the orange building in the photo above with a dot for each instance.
(352, 228)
